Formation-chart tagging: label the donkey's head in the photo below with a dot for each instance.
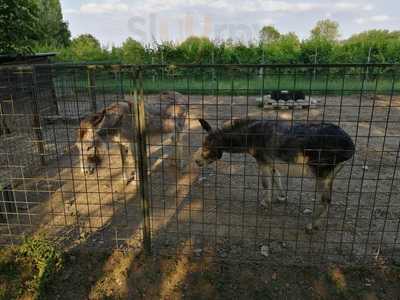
(211, 149)
(88, 143)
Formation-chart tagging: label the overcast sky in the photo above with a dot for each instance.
(112, 21)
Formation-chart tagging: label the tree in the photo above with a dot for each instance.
(381, 45)
(242, 53)
(86, 48)
(18, 26)
(269, 34)
(287, 49)
(132, 52)
(116, 54)
(86, 40)
(167, 52)
(226, 52)
(326, 29)
(54, 31)
(393, 51)
(197, 49)
(319, 50)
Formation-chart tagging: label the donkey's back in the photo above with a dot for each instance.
(319, 145)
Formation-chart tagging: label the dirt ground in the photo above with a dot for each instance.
(125, 275)
(216, 210)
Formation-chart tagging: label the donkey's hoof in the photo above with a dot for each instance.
(131, 179)
(281, 198)
(310, 228)
(265, 204)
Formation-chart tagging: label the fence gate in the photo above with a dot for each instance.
(62, 154)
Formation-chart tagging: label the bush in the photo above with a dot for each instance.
(26, 270)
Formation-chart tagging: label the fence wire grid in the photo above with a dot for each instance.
(170, 201)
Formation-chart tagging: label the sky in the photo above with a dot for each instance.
(112, 21)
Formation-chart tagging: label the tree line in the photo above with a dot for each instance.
(37, 26)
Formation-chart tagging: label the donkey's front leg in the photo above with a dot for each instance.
(124, 150)
(325, 185)
(81, 164)
(266, 179)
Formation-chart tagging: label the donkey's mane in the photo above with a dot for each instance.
(237, 124)
(95, 118)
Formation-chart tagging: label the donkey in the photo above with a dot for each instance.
(304, 149)
(114, 127)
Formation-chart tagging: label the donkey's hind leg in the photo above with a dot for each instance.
(324, 185)
(266, 179)
(278, 183)
(124, 150)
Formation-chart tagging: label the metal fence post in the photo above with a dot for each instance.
(53, 77)
(141, 138)
(37, 128)
(3, 125)
(92, 87)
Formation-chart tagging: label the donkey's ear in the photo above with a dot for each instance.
(96, 118)
(111, 120)
(205, 125)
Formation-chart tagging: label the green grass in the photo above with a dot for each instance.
(241, 86)
(257, 86)
(26, 270)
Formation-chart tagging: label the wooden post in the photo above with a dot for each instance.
(92, 87)
(139, 119)
(37, 128)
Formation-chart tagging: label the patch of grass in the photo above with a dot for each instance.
(26, 270)
(11, 275)
(240, 86)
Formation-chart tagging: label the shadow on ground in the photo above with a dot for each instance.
(124, 275)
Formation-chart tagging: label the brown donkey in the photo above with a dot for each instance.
(309, 149)
(113, 129)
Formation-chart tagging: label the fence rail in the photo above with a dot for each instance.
(171, 202)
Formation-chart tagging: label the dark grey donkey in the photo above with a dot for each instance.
(113, 127)
(308, 149)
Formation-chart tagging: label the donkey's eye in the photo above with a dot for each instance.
(89, 148)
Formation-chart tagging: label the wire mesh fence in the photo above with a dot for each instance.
(115, 156)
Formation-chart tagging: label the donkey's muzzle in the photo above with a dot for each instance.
(89, 170)
(199, 162)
